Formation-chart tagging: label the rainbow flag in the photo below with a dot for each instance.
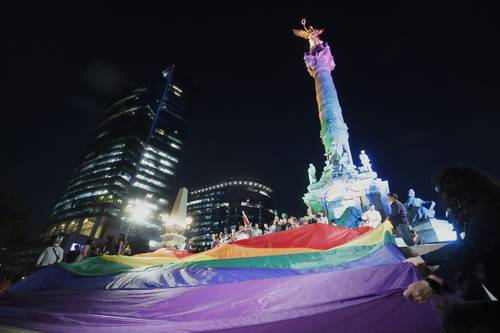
(316, 278)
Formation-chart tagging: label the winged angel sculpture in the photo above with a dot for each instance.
(310, 34)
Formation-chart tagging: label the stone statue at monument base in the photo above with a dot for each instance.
(312, 174)
(419, 210)
(366, 166)
(338, 194)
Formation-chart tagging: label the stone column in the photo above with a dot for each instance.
(334, 135)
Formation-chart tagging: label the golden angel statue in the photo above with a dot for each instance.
(310, 34)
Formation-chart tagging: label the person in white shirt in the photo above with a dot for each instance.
(322, 218)
(51, 255)
(243, 233)
(371, 218)
(272, 228)
(256, 231)
(318, 218)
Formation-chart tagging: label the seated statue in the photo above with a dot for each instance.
(417, 210)
(350, 218)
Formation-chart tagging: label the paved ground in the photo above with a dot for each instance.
(418, 250)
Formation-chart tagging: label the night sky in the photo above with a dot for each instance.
(418, 85)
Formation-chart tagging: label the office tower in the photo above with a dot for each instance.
(124, 181)
(218, 208)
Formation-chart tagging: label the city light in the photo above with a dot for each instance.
(164, 218)
(139, 213)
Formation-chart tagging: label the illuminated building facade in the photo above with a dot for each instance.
(218, 208)
(125, 179)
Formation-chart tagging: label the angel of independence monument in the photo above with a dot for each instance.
(343, 187)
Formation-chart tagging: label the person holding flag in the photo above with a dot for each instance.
(251, 231)
(244, 232)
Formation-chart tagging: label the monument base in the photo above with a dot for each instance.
(359, 191)
(435, 231)
(172, 240)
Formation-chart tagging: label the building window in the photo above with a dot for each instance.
(145, 187)
(61, 227)
(174, 145)
(99, 229)
(73, 226)
(161, 153)
(87, 226)
(174, 139)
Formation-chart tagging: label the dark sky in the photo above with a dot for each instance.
(418, 85)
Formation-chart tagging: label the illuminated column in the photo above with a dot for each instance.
(334, 135)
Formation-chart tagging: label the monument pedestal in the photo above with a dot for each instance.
(172, 239)
(434, 231)
(335, 195)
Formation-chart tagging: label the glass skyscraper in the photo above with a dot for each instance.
(125, 179)
(218, 208)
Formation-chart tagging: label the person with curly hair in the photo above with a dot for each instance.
(473, 201)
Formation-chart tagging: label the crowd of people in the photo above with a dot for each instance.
(278, 224)
(371, 218)
(114, 245)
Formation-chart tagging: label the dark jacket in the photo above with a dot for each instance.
(398, 214)
(481, 245)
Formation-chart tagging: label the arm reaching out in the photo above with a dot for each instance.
(40, 258)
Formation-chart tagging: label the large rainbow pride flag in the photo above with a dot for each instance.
(316, 278)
